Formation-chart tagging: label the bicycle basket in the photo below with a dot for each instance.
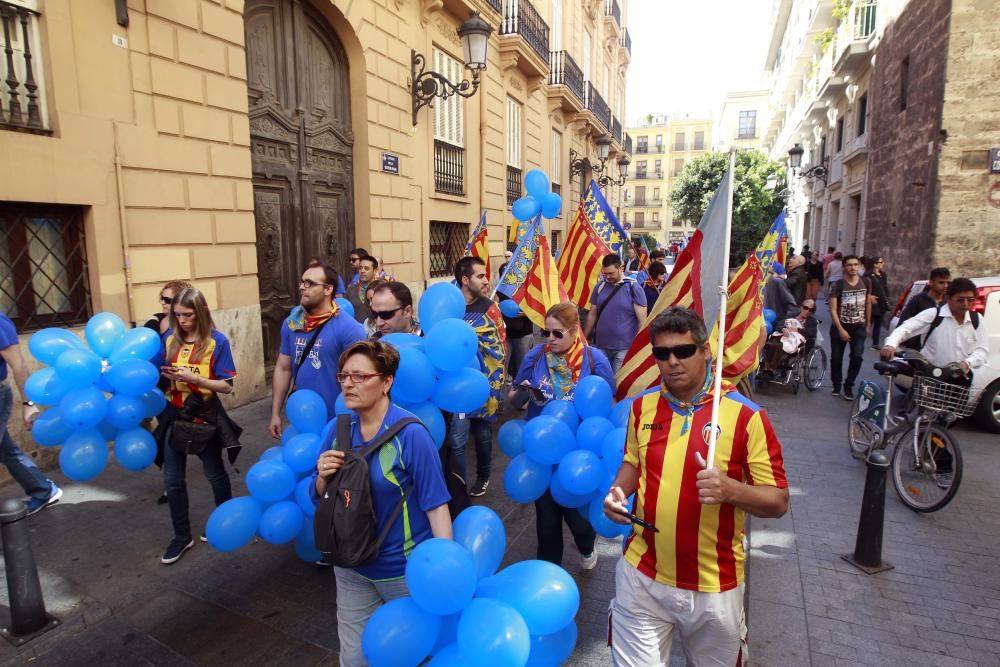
(932, 394)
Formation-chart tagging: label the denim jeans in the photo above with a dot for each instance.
(837, 347)
(357, 599)
(458, 437)
(616, 357)
(174, 479)
(549, 517)
(19, 464)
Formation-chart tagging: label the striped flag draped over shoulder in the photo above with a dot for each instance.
(595, 232)
(531, 278)
(479, 245)
(693, 283)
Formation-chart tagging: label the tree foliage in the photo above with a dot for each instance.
(754, 206)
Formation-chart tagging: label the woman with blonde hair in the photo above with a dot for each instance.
(197, 360)
(554, 368)
(160, 322)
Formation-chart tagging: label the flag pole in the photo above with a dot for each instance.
(724, 294)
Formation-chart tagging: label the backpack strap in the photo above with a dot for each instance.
(308, 349)
(935, 323)
(343, 432)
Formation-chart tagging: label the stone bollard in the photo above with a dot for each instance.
(867, 554)
(28, 617)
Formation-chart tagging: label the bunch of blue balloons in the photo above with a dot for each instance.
(573, 449)
(540, 199)
(98, 394)
(461, 611)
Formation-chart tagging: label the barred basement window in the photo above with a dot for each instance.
(43, 266)
(447, 245)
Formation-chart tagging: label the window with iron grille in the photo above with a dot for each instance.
(513, 151)
(556, 159)
(449, 131)
(43, 266)
(447, 245)
(555, 241)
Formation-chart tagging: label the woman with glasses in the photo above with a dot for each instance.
(160, 322)
(406, 468)
(554, 368)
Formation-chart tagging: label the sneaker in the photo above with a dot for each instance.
(588, 561)
(162, 500)
(322, 562)
(36, 505)
(836, 391)
(944, 479)
(176, 549)
(848, 394)
(203, 537)
(479, 488)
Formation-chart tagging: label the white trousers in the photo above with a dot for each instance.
(644, 614)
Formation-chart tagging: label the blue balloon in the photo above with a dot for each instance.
(536, 183)
(345, 305)
(465, 390)
(511, 437)
(133, 377)
(303, 497)
(604, 526)
(613, 449)
(564, 411)
(288, 432)
(593, 397)
(565, 497)
(403, 340)
(447, 638)
(547, 440)
(526, 481)
(124, 412)
(399, 634)
(306, 411)
(139, 343)
(107, 430)
(84, 455)
(525, 208)
(441, 576)
(415, 379)
(440, 301)
(554, 649)
(103, 331)
(270, 481)
(233, 523)
(770, 327)
(272, 454)
(153, 402)
(543, 593)
(432, 418)
(281, 522)
(50, 429)
(619, 415)
(135, 448)
(340, 407)
(769, 315)
(492, 633)
(78, 368)
(48, 344)
(45, 387)
(551, 205)
(481, 531)
(449, 655)
(510, 308)
(305, 544)
(591, 434)
(84, 408)
(580, 472)
(450, 344)
(301, 452)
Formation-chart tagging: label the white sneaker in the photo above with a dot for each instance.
(588, 561)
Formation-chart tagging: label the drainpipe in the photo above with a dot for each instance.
(126, 262)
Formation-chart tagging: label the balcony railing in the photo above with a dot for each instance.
(563, 71)
(598, 106)
(20, 105)
(628, 144)
(497, 5)
(614, 10)
(449, 168)
(642, 149)
(521, 18)
(616, 129)
(863, 15)
(627, 42)
(658, 148)
(514, 189)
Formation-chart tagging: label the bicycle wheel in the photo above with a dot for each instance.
(862, 436)
(815, 371)
(928, 481)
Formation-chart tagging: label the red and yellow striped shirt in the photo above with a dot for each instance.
(699, 547)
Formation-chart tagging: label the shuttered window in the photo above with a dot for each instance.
(449, 114)
(513, 133)
(556, 157)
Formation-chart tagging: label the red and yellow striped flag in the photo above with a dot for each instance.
(580, 262)
(479, 245)
(643, 254)
(542, 287)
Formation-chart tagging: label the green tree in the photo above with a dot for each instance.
(754, 206)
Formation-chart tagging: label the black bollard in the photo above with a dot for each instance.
(28, 617)
(867, 554)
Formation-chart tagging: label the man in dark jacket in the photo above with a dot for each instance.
(798, 278)
(930, 297)
(777, 296)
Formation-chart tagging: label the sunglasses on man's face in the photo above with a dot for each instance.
(811, 309)
(662, 353)
(553, 332)
(385, 315)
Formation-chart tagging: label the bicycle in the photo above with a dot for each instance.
(926, 462)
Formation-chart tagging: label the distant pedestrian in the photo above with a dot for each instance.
(798, 278)
(633, 263)
(657, 273)
(356, 291)
(618, 307)
(777, 296)
(879, 282)
(355, 259)
(42, 492)
(931, 296)
(835, 269)
(850, 310)
(828, 257)
(159, 322)
(814, 270)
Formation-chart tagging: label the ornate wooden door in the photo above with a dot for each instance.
(301, 141)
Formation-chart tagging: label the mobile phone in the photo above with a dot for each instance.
(535, 394)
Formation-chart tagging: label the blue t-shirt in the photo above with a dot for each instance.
(618, 325)
(8, 338)
(340, 285)
(536, 372)
(409, 459)
(318, 371)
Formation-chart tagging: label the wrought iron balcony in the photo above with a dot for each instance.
(596, 104)
(521, 18)
(616, 129)
(642, 149)
(497, 5)
(614, 11)
(628, 144)
(626, 42)
(449, 168)
(21, 101)
(563, 71)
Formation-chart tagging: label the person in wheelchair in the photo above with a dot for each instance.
(797, 336)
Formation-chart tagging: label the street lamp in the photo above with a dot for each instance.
(427, 85)
(605, 180)
(795, 161)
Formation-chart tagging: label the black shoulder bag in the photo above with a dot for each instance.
(599, 308)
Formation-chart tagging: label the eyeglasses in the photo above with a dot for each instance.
(166, 300)
(356, 378)
(385, 314)
(965, 299)
(811, 309)
(553, 332)
(308, 284)
(686, 351)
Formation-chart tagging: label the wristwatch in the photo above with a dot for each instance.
(28, 404)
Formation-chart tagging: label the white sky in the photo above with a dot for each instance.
(687, 54)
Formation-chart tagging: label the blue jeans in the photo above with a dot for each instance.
(174, 479)
(857, 351)
(458, 437)
(615, 357)
(19, 464)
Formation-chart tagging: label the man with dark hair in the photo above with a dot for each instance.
(851, 312)
(658, 255)
(931, 296)
(618, 307)
(689, 576)
(367, 273)
(392, 310)
(654, 284)
(484, 316)
(355, 259)
(312, 338)
(633, 264)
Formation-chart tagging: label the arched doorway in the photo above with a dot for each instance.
(301, 143)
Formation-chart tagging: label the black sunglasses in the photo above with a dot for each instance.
(385, 314)
(553, 332)
(810, 309)
(166, 300)
(686, 351)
